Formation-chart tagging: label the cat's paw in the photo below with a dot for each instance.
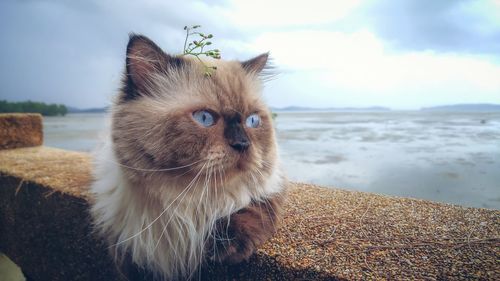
(237, 241)
(234, 240)
(232, 251)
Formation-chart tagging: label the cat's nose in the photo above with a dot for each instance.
(240, 145)
(235, 134)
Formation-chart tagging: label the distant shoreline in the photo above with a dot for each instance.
(480, 107)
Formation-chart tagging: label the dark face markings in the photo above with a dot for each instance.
(235, 133)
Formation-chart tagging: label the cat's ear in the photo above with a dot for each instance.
(144, 60)
(257, 64)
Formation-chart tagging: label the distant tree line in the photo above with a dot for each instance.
(33, 107)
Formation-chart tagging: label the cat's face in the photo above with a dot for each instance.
(170, 116)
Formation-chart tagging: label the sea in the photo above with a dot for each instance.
(450, 157)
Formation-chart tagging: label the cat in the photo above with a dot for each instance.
(190, 173)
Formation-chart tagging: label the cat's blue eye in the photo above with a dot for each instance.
(205, 118)
(253, 121)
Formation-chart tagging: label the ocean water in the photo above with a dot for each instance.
(450, 157)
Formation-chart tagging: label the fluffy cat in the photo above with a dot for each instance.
(190, 172)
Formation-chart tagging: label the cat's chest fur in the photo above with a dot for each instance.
(168, 233)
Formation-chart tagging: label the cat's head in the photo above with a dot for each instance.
(170, 116)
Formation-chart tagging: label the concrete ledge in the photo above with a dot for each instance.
(20, 130)
(326, 234)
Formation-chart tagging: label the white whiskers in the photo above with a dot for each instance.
(158, 217)
(153, 170)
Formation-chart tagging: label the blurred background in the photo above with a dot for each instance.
(392, 97)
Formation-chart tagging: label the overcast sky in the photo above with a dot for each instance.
(400, 54)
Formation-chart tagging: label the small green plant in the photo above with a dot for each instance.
(196, 48)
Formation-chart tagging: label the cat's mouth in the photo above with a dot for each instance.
(228, 164)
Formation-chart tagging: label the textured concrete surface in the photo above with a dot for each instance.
(326, 234)
(20, 130)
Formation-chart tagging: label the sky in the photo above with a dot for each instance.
(402, 54)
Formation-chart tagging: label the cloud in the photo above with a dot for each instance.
(72, 52)
(353, 69)
(354, 53)
(448, 26)
(277, 14)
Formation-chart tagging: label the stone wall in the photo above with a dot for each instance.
(20, 130)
